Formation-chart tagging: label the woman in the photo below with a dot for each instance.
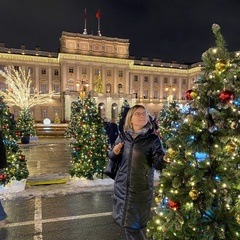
(140, 151)
(3, 163)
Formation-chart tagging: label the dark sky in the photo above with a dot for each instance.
(170, 30)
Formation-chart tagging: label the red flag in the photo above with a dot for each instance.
(98, 14)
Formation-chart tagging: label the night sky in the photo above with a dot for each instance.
(177, 30)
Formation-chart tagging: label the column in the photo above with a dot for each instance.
(37, 78)
(50, 79)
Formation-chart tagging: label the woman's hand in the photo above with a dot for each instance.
(118, 148)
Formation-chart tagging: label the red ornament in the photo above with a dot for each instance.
(173, 205)
(92, 139)
(4, 127)
(188, 95)
(22, 157)
(81, 123)
(78, 148)
(3, 176)
(89, 153)
(18, 134)
(226, 96)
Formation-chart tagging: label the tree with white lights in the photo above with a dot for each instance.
(21, 93)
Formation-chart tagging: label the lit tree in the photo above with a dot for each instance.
(98, 84)
(76, 108)
(90, 149)
(168, 121)
(17, 167)
(198, 193)
(20, 93)
(56, 119)
(124, 105)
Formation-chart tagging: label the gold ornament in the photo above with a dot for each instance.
(157, 200)
(193, 194)
(238, 219)
(230, 148)
(194, 94)
(221, 66)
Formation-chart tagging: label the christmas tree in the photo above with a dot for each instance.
(123, 107)
(17, 167)
(98, 84)
(198, 192)
(26, 124)
(90, 149)
(76, 108)
(56, 119)
(168, 121)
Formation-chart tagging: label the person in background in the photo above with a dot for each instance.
(112, 132)
(3, 164)
(140, 152)
(122, 119)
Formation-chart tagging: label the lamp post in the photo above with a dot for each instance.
(83, 85)
(170, 89)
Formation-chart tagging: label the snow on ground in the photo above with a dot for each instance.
(72, 185)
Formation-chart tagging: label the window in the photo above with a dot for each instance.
(84, 71)
(16, 112)
(165, 80)
(70, 70)
(56, 87)
(96, 72)
(145, 78)
(155, 94)
(43, 88)
(30, 70)
(109, 73)
(108, 87)
(120, 73)
(56, 72)
(155, 80)
(120, 86)
(32, 88)
(43, 71)
(16, 68)
(71, 85)
(184, 81)
(43, 113)
(175, 81)
(3, 86)
(145, 94)
(135, 78)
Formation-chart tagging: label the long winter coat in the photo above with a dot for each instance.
(133, 187)
(112, 133)
(3, 159)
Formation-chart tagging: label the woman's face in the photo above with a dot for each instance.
(139, 119)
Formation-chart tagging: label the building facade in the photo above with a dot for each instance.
(85, 62)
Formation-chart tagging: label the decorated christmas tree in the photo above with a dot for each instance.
(123, 107)
(76, 108)
(17, 167)
(198, 192)
(56, 119)
(89, 154)
(26, 124)
(99, 84)
(168, 121)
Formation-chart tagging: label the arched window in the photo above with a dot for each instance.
(108, 87)
(120, 86)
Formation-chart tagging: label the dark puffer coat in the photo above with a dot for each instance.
(133, 186)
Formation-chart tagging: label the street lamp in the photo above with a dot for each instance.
(84, 85)
(170, 89)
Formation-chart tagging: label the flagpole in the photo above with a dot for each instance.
(85, 21)
(98, 17)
